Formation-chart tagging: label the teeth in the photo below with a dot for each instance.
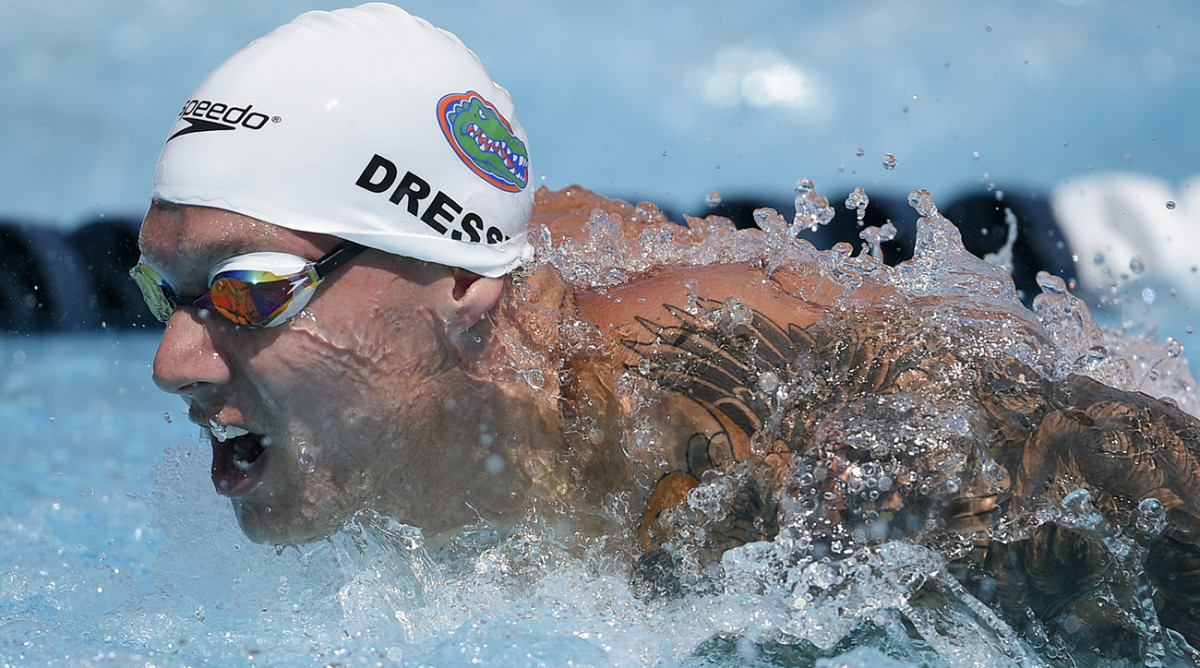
(225, 432)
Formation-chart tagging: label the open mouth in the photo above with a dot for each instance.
(238, 458)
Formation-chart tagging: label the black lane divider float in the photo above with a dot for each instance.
(55, 280)
(981, 217)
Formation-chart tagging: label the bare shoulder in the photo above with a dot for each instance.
(783, 296)
(565, 212)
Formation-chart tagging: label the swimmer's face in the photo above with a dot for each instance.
(341, 403)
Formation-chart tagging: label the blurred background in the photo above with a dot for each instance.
(1078, 115)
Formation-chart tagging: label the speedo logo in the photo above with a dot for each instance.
(210, 116)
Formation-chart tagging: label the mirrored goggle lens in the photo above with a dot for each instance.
(156, 291)
(258, 298)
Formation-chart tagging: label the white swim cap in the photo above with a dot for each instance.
(368, 124)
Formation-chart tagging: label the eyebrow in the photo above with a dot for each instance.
(223, 250)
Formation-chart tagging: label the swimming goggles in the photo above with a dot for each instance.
(252, 290)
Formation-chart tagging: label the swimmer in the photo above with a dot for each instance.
(339, 244)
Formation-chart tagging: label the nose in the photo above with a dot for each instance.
(187, 359)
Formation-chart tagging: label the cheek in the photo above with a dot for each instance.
(382, 362)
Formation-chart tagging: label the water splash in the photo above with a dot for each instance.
(857, 202)
(874, 237)
(812, 208)
(832, 585)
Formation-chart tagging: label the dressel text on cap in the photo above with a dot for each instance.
(440, 213)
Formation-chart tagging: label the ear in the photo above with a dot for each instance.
(474, 296)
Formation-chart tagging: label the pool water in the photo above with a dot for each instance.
(117, 552)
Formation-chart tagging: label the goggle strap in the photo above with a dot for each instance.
(339, 256)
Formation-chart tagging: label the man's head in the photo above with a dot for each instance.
(334, 209)
(367, 124)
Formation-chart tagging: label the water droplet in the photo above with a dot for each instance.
(812, 208)
(713, 199)
(494, 464)
(889, 161)
(1078, 503)
(768, 382)
(975, 155)
(739, 314)
(1137, 265)
(923, 202)
(1097, 353)
(1051, 284)
(861, 152)
(306, 461)
(1170, 205)
(1173, 346)
(857, 202)
(1151, 517)
(993, 471)
(875, 236)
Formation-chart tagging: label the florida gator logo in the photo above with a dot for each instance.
(484, 140)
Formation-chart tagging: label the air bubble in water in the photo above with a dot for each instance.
(713, 199)
(1137, 265)
(889, 161)
(861, 152)
(167, 417)
(1149, 295)
(1170, 205)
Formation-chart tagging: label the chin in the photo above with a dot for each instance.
(283, 526)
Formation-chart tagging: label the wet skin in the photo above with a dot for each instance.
(368, 384)
(398, 378)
